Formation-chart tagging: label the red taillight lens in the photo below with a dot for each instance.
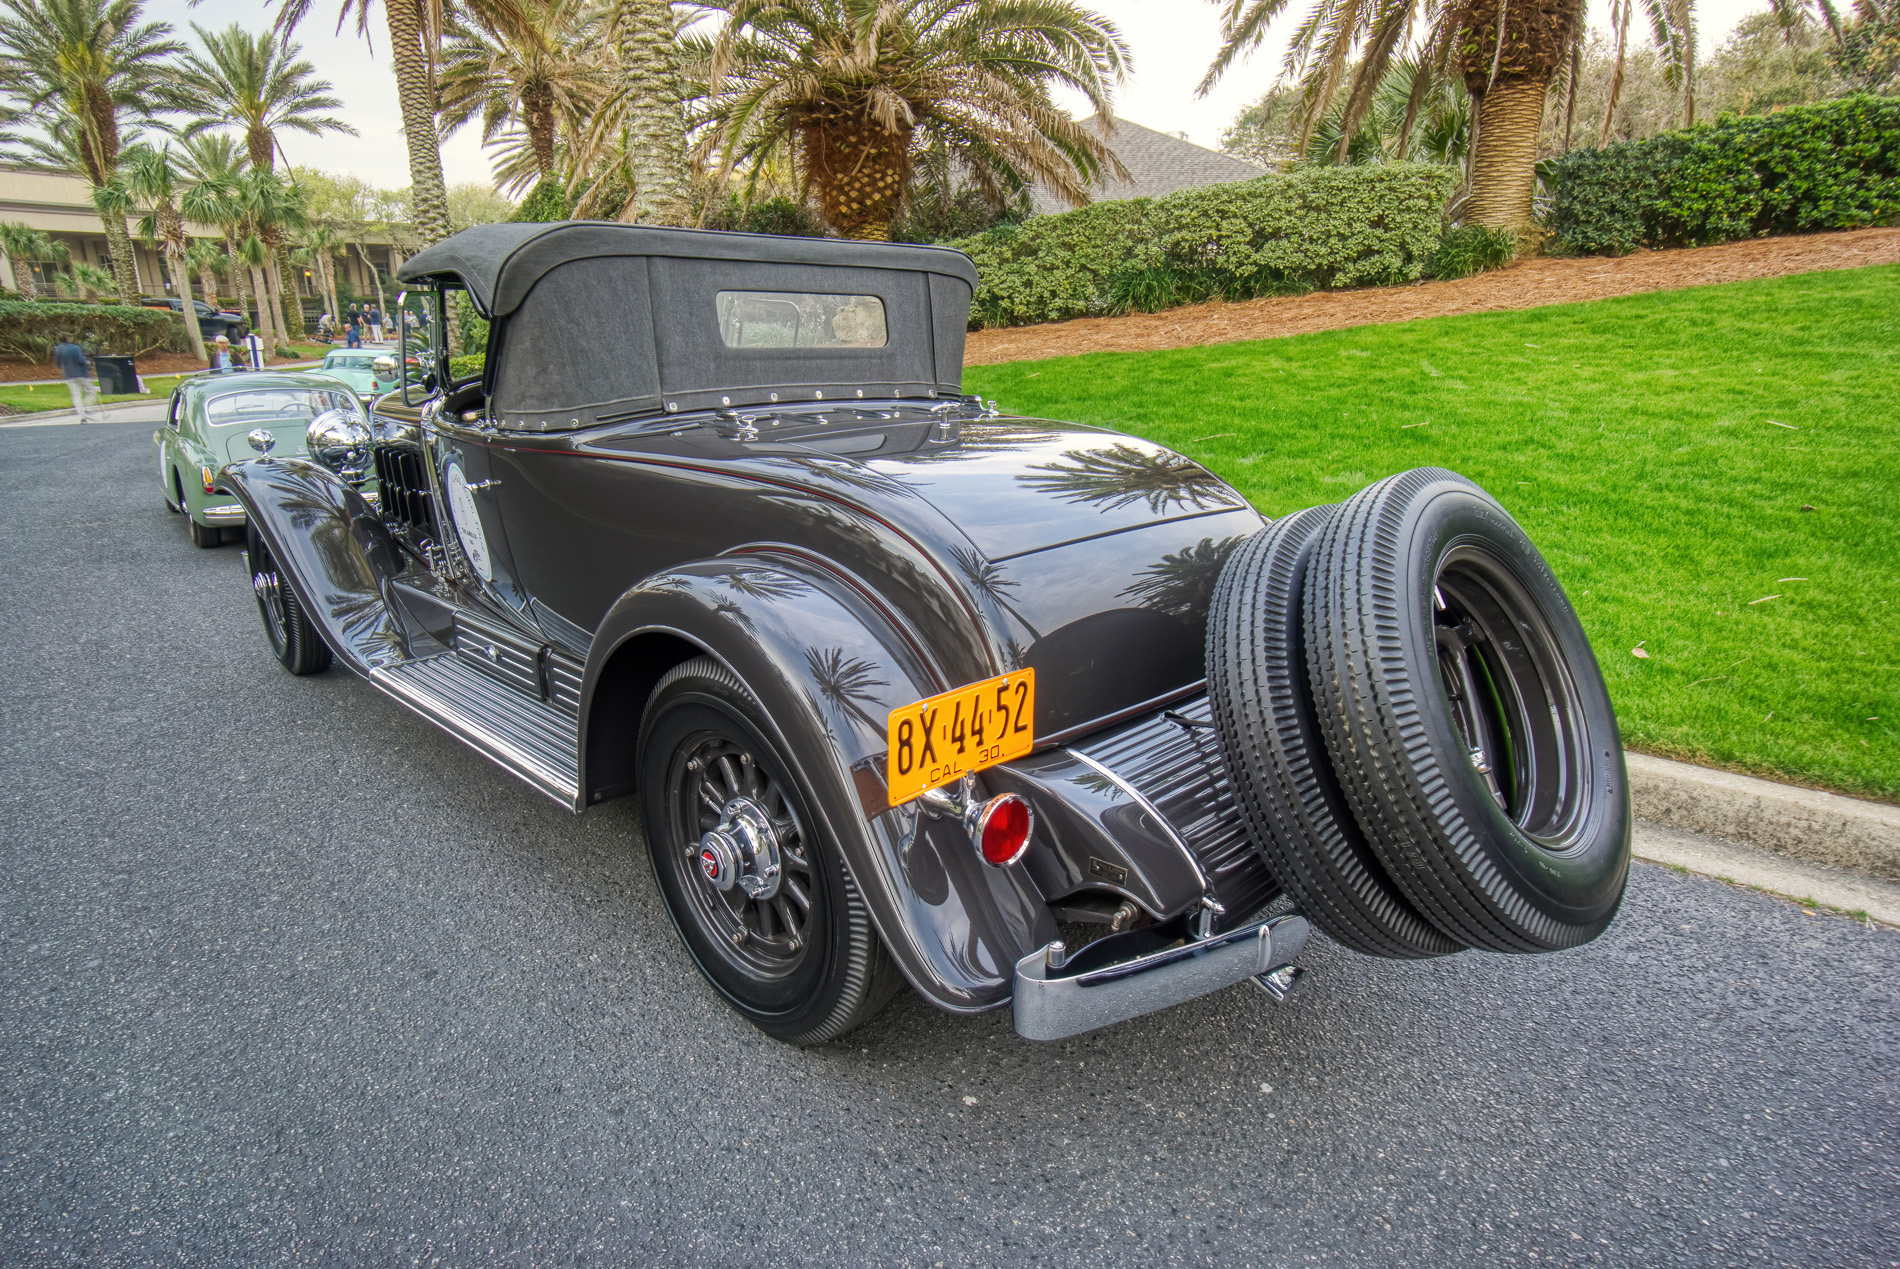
(210, 485)
(1002, 829)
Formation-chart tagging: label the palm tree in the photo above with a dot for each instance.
(259, 84)
(415, 35)
(20, 243)
(208, 259)
(1506, 53)
(650, 111)
(321, 243)
(215, 165)
(273, 208)
(540, 89)
(84, 64)
(852, 89)
(151, 178)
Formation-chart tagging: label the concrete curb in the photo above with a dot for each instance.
(1816, 828)
(1787, 878)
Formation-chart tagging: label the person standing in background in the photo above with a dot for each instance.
(376, 323)
(221, 354)
(76, 370)
(354, 339)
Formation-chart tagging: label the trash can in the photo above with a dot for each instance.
(116, 376)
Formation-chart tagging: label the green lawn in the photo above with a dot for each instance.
(55, 396)
(1714, 474)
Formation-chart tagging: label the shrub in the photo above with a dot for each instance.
(466, 367)
(1468, 249)
(1833, 165)
(1319, 227)
(30, 328)
(767, 216)
(546, 202)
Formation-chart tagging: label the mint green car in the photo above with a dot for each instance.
(370, 371)
(210, 422)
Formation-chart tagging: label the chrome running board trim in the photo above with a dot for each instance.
(524, 735)
(1056, 998)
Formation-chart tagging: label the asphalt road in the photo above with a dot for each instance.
(286, 976)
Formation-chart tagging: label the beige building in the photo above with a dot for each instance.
(61, 207)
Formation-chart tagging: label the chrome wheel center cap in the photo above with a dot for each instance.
(742, 850)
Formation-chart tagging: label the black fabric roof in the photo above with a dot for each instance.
(499, 264)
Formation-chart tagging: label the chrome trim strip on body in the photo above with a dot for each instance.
(1083, 730)
(1050, 1005)
(562, 786)
(1141, 800)
(233, 512)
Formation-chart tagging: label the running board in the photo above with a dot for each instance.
(529, 737)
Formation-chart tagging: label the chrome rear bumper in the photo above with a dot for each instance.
(1126, 975)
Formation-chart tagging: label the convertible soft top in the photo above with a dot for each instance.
(499, 264)
(598, 322)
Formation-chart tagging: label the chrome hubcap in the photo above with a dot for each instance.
(742, 849)
(751, 870)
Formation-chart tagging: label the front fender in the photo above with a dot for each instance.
(828, 666)
(335, 549)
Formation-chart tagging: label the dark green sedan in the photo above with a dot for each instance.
(210, 423)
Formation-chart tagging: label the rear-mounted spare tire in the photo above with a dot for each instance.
(1277, 763)
(1465, 716)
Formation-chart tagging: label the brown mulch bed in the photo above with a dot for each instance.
(1525, 284)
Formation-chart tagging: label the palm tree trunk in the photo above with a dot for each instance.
(327, 270)
(656, 122)
(181, 283)
(1622, 19)
(1504, 161)
(1576, 69)
(273, 287)
(293, 303)
(125, 278)
(415, 93)
(263, 328)
(235, 268)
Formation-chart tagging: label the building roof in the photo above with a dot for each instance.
(1158, 163)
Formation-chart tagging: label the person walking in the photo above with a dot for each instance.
(76, 370)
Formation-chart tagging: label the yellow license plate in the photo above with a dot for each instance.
(944, 738)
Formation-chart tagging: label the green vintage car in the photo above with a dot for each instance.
(370, 371)
(212, 420)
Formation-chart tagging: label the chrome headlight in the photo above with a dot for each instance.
(340, 441)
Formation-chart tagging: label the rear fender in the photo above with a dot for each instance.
(828, 667)
(335, 549)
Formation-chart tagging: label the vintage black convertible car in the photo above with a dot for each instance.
(1017, 711)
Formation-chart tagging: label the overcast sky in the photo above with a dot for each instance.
(1172, 42)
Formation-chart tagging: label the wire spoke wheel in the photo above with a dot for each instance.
(759, 894)
(764, 920)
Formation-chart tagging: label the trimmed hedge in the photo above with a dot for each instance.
(1834, 165)
(30, 328)
(1318, 227)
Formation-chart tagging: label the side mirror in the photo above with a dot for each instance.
(342, 442)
